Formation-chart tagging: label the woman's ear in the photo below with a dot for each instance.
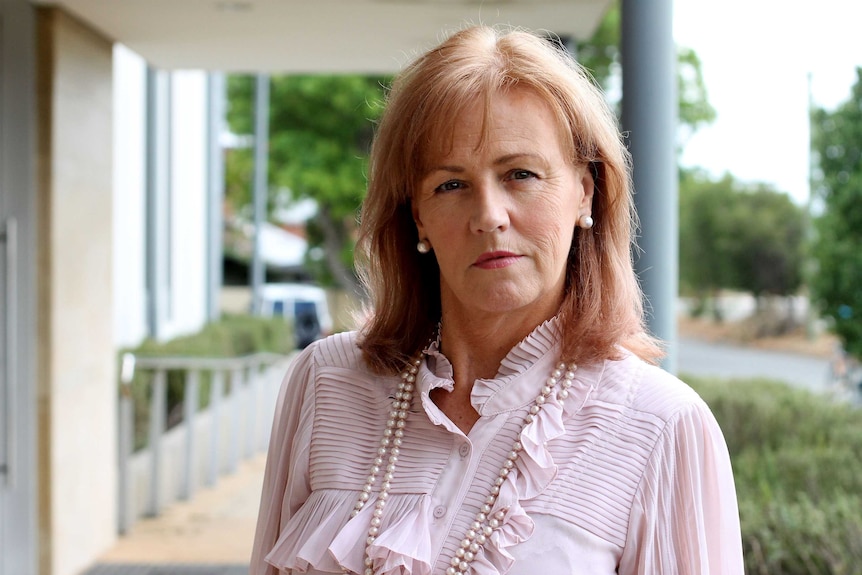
(414, 210)
(589, 181)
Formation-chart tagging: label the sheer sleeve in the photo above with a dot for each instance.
(285, 482)
(685, 518)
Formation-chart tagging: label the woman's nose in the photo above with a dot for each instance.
(489, 209)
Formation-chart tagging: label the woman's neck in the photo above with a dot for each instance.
(475, 349)
(477, 346)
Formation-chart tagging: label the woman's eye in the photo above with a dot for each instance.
(521, 174)
(448, 186)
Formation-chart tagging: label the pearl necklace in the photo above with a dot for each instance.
(483, 524)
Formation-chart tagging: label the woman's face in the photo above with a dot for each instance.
(500, 216)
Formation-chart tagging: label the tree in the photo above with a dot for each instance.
(695, 111)
(320, 133)
(768, 231)
(738, 236)
(837, 185)
(600, 55)
(705, 263)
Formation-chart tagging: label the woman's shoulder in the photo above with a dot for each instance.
(339, 350)
(330, 367)
(639, 386)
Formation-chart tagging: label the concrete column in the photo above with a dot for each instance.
(130, 197)
(159, 231)
(261, 172)
(216, 95)
(649, 116)
(77, 383)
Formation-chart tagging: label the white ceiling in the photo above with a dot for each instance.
(372, 36)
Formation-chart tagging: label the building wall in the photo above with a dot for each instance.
(188, 212)
(181, 264)
(77, 380)
(129, 217)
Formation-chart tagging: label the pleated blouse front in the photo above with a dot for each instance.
(630, 474)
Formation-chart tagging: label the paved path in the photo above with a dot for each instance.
(733, 362)
(212, 535)
(166, 569)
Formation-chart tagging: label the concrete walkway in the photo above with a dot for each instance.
(213, 534)
(701, 358)
(166, 569)
(210, 535)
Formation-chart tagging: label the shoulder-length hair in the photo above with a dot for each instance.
(602, 308)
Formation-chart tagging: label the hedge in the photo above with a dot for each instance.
(797, 460)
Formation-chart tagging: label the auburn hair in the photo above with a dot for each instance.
(602, 308)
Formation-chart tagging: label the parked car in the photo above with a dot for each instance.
(305, 305)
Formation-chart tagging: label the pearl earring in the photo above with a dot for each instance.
(422, 247)
(585, 222)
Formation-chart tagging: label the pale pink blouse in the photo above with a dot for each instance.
(628, 475)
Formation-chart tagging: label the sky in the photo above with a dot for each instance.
(756, 58)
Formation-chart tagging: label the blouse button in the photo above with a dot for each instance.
(439, 511)
(464, 450)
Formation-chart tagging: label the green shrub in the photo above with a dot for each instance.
(770, 414)
(819, 472)
(797, 460)
(232, 336)
(800, 537)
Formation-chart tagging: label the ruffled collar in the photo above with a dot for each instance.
(514, 386)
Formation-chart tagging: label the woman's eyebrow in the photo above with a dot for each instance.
(517, 156)
(499, 161)
(454, 169)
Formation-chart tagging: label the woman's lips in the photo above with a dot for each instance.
(495, 260)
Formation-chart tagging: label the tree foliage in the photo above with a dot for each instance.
(738, 236)
(837, 185)
(320, 130)
(770, 232)
(600, 55)
(695, 111)
(705, 265)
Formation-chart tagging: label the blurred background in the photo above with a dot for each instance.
(179, 185)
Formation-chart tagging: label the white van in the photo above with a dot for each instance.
(305, 305)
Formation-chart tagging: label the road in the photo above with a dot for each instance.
(701, 358)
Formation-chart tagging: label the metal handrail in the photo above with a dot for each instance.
(9, 237)
(131, 362)
(247, 375)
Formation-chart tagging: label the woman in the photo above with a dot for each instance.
(499, 411)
